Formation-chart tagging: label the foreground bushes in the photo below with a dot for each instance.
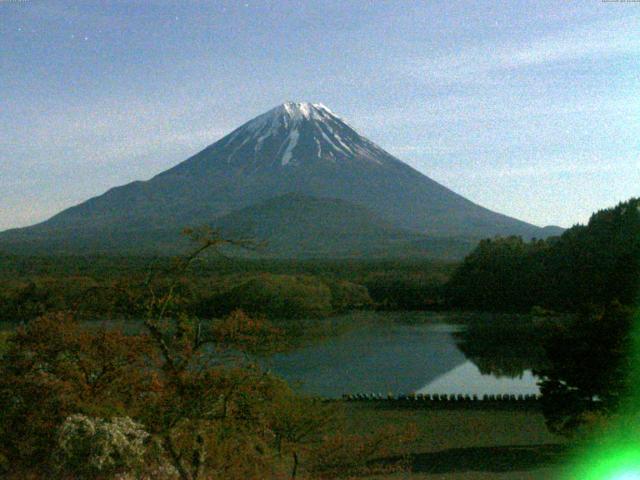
(91, 446)
(177, 401)
(53, 369)
(190, 404)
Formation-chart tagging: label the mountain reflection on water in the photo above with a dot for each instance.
(389, 357)
(468, 379)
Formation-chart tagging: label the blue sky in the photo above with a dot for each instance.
(530, 108)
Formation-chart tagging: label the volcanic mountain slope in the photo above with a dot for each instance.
(297, 148)
(297, 226)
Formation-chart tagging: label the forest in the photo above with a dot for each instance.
(593, 264)
(591, 272)
(175, 397)
(108, 287)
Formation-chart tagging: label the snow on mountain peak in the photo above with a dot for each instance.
(306, 110)
(299, 131)
(298, 111)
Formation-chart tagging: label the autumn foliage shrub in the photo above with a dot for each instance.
(54, 368)
(180, 398)
(88, 447)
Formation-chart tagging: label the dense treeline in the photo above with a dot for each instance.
(592, 272)
(593, 264)
(114, 287)
(104, 266)
(283, 296)
(268, 295)
(591, 367)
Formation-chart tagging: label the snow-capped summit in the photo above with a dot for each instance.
(296, 133)
(293, 112)
(305, 110)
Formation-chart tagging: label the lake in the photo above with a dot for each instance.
(407, 352)
(392, 357)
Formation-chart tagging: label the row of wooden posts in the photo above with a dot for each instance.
(440, 398)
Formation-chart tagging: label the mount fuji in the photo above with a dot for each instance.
(295, 171)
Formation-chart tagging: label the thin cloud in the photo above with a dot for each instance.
(596, 41)
(553, 167)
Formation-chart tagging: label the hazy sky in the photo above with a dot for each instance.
(530, 108)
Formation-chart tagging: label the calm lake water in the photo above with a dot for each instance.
(386, 357)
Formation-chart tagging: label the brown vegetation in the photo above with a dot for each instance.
(189, 387)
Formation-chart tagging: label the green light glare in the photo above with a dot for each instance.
(614, 453)
(608, 464)
(627, 476)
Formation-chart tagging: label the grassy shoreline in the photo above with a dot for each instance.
(460, 443)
